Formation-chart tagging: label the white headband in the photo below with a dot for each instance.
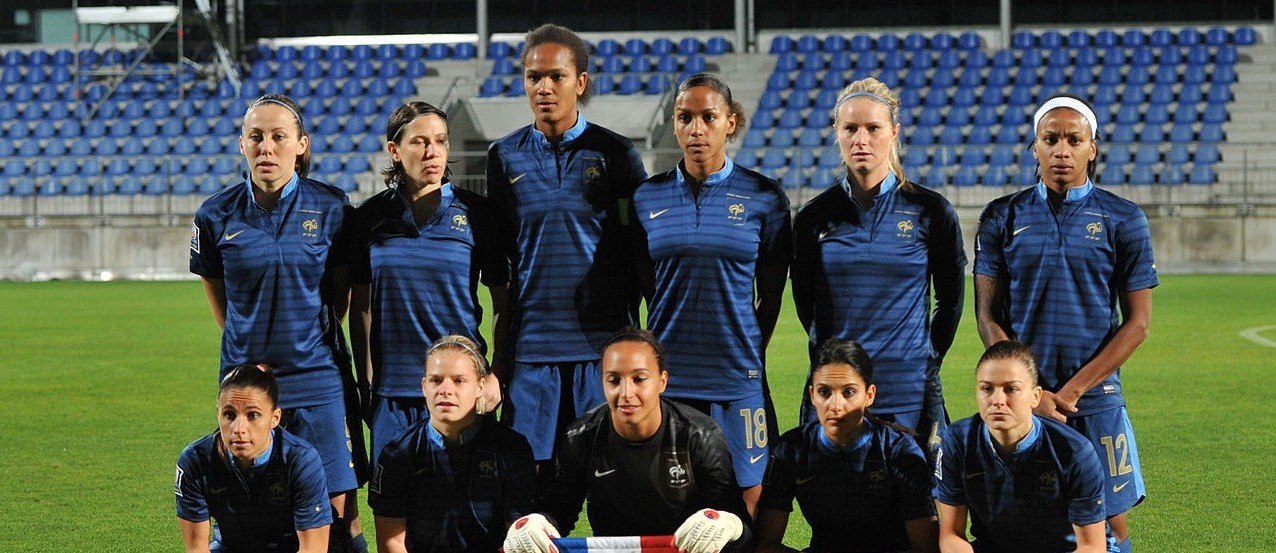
(1070, 103)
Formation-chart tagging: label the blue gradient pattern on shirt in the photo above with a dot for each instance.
(706, 252)
(1064, 275)
(566, 205)
(424, 279)
(272, 264)
(865, 275)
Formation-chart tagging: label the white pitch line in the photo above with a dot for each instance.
(1254, 335)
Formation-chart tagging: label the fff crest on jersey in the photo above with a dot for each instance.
(736, 213)
(460, 223)
(277, 493)
(486, 467)
(677, 476)
(310, 228)
(1093, 230)
(877, 483)
(904, 229)
(593, 174)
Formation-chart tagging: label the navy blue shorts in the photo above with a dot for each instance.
(545, 398)
(746, 425)
(390, 417)
(1113, 438)
(324, 427)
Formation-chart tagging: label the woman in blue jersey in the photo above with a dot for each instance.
(1027, 483)
(455, 481)
(714, 250)
(1068, 268)
(863, 485)
(263, 485)
(563, 187)
(419, 250)
(265, 252)
(869, 250)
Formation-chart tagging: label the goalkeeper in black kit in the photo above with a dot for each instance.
(647, 466)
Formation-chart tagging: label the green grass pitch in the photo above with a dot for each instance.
(104, 383)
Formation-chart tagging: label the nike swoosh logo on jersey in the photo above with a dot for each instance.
(1019, 230)
(598, 474)
(803, 481)
(756, 459)
(215, 491)
(515, 179)
(1117, 489)
(654, 214)
(228, 236)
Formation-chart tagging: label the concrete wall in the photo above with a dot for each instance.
(1190, 239)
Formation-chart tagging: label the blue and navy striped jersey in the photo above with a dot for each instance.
(855, 497)
(259, 509)
(1064, 274)
(424, 278)
(706, 251)
(273, 264)
(455, 497)
(1029, 501)
(565, 206)
(866, 275)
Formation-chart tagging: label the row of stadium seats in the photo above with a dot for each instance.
(970, 41)
(626, 84)
(149, 185)
(952, 60)
(221, 163)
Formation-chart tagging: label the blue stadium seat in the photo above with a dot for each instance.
(1078, 39)
(772, 159)
(716, 46)
(813, 62)
(958, 115)
(1245, 36)
(1211, 133)
(972, 157)
(895, 60)
(1161, 38)
(1189, 37)
(1202, 174)
(1171, 174)
(370, 143)
(1147, 154)
(1207, 154)
(807, 44)
(915, 157)
(969, 41)
(1022, 39)
(1117, 155)
(1214, 114)
(920, 59)
(781, 44)
(437, 51)
(1177, 155)
(951, 136)
(1217, 36)
(1133, 37)
(830, 159)
(935, 177)
(1142, 175)
(464, 51)
(966, 176)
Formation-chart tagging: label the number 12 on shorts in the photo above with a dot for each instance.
(1118, 446)
(754, 427)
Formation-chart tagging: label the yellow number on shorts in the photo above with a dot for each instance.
(1112, 445)
(754, 427)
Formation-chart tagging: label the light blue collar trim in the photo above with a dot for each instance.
(571, 134)
(889, 183)
(860, 442)
(1074, 194)
(261, 461)
(714, 177)
(288, 188)
(436, 437)
(1026, 443)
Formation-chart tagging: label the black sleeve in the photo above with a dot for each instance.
(357, 244)
(804, 271)
(561, 502)
(715, 479)
(500, 198)
(518, 490)
(640, 254)
(779, 485)
(389, 491)
(340, 253)
(946, 255)
(493, 264)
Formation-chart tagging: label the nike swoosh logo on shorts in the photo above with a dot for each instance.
(1117, 489)
(598, 474)
(756, 459)
(515, 179)
(654, 214)
(228, 236)
(1019, 230)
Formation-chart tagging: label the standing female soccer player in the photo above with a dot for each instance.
(644, 466)
(717, 240)
(1027, 483)
(564, 186)
(868, 252)
(863, 486)
(453, 482)
(1052, 265)
(263, 485)
(263, 250)
(421, 247)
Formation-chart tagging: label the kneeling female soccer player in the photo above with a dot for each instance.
(264, 486)
(1027, 483)
(863, 485)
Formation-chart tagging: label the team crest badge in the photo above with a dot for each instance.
(486, 465)
(904, 228)
(1048, 484)
(677, 476)
(278, 494)
(460, 223)
(310, 228)
(1093, 230)
(593, 174)
(736, 212)
(877, 482)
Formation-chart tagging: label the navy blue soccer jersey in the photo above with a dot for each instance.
(565, 206)
(1064, 274)
(455, 497)
(867, 275)
(1029, 500)
(272, 264)
(855, 497)
(706, 252)
(258, 509)
(424, 278)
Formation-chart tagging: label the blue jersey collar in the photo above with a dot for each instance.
(714, 177)
(1034, 435)
(288, 188)
(436, 437)
(1074, 194)
(888, 184)
(571, 134)
(861, 441)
